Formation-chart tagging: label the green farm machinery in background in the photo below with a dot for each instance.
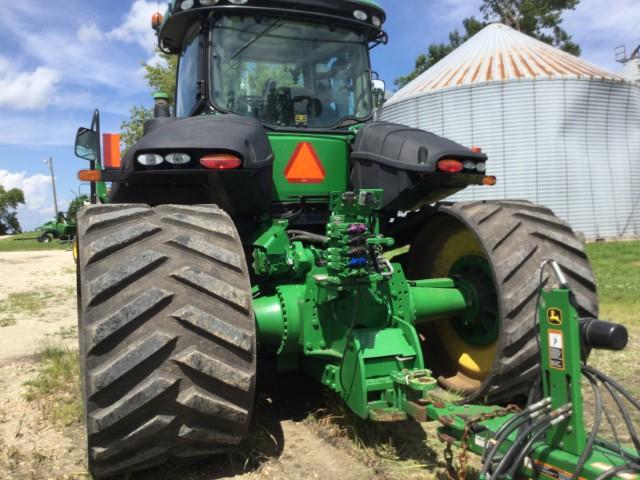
(59, 228)
(269, 220)
(63, 226)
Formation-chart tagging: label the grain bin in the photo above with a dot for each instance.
(558, 130)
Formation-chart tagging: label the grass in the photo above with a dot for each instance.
(28, 242)
(31, 303)
(56, 387)
(26, 303)
(617, 269)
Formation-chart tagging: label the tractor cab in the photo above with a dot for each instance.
(291, 65)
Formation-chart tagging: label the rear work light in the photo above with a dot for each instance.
(177, 158)
(450, 166)
(220, 161)
(150, 159)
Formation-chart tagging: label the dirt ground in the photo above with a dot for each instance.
(39, 289)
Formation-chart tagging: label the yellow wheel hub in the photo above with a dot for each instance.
(472, 360)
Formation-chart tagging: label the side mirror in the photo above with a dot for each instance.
(378, 88)
(87, 144)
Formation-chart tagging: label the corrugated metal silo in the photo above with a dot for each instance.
(558, 130)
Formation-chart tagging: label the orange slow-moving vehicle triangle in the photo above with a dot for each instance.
(305, 166)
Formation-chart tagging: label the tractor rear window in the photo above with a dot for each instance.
(290, 73)
(186, 95)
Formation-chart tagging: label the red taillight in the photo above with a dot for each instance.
(220, 161)
(450, 166)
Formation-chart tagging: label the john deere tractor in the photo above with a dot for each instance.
(268, 217)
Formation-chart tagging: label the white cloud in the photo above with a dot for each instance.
(36, 188)
(136, 27)
(89, 32)
(25, 90)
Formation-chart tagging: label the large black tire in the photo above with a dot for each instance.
(513, 238)
(45, 238)
(167, 334)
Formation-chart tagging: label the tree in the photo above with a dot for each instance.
(9, 201)
(74, 206)
(437, 51)
(540, 19)
(161, 78)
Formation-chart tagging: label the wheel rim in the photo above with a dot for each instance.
(480, 325)
(461, 359)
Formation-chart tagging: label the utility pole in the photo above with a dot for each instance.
(53, 184)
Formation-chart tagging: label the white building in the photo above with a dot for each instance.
(558, 130)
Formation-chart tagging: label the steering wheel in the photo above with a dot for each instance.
(314, 106)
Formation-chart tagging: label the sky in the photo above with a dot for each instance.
(61, 59)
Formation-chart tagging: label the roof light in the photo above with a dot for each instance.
(450, 166)
(150, 159)
(360, 15)
(156, 20)
(376, 21)
(239, 2)
(220, 161)
(476, 149)
(177, 158)
(186, 4)
(208, 3)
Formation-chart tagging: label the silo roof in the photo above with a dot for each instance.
(500, 53)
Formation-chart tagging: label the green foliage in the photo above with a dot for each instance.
(9, 201)
(161, 78)
(540, 19)
(74, 206)
(56, 388)
(437, 51)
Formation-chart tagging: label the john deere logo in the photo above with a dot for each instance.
(554, 316)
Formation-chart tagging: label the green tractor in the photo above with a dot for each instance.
(271, 219)
(61, 228)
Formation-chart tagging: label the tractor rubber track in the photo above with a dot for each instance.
(167, 334)
(516, 237)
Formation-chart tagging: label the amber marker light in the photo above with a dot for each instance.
(489, 180)
(90, 175)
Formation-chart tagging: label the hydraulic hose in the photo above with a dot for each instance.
(628, 467)
(515, 446)
(588, 449)
(623, 453)
(606, 379)
(625, 415)
(509, 426)
(529, 445)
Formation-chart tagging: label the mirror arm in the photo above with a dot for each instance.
(95, 126)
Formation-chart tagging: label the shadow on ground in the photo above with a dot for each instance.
(296, 398)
